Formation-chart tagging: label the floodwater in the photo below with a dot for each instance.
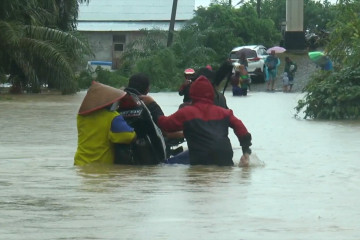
(303, 182)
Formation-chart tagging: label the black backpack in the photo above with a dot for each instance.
(272, 62)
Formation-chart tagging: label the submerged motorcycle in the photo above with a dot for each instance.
(150, 146)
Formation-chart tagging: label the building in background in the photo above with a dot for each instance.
(110, 25)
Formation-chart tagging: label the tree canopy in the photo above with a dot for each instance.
(38, 44)
(336, 94)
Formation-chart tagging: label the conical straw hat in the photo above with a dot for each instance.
(98, 96)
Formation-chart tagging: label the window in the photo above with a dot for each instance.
(119, 42)
(118, 47)
(119, 38)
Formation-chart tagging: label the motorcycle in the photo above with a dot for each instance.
(150, 146)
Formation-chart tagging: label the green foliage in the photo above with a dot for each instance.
(344, 46)
(206, 39)
(318, 15)
(224, 27)
(189, 51)
(114, 79)
(84, 79)
(32, 48)
(336, 94)
(142, 47)
(315, 12)
(332, 95)
(162, 70)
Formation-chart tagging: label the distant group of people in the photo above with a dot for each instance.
(272, 62)
(203, 120)
(241, 80)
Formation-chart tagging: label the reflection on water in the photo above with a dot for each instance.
(302, 183)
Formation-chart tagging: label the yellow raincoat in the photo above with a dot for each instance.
(97, 133)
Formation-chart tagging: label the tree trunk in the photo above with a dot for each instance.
(258, 7)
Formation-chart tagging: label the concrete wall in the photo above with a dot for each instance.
(294, 33)
(295, 15)
(102, 44)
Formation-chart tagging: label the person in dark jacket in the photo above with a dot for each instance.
(205, 127)
(139, 84)
(153, 145)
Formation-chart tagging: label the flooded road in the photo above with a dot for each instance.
(303, 182)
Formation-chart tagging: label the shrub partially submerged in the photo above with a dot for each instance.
(332, 95)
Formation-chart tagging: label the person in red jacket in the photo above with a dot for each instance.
(206, 128)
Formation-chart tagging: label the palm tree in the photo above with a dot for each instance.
(33, 49)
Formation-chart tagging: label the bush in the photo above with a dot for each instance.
(115, 79)
(162, 71)
(332, 95)
(84, 79)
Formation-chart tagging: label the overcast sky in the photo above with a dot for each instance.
(207, 2)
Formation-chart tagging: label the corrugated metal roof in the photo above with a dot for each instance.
(135, 10)
(125, 26)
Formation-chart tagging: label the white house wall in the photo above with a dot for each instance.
(101, 19)
(102, 43)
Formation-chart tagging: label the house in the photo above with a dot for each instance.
(110, 25)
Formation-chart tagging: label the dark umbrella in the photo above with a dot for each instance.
(247, 51)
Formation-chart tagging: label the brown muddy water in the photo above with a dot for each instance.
(303, 182)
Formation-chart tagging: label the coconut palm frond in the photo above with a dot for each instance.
(10, 33)
(65, 38)
(46, 55)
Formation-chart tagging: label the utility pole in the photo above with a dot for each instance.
(172, 23)
(294, 32)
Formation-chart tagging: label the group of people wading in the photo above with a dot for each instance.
(128, 126)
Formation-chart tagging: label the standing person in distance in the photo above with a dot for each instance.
(244, 80)
(243, 61)
(271, 64)
(235, 81)
(189, 74)
(290, 69)
(285, 79)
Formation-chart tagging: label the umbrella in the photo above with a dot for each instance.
(319, 58)
(315, 55)
(247, 51)
(277, 49)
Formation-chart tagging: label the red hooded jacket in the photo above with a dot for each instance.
(206, 126)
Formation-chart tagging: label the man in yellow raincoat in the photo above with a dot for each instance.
(100, 126)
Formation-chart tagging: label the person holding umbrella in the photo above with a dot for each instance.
(321, 60)
(271, 64)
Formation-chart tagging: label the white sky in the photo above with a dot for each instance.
(205, 3)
